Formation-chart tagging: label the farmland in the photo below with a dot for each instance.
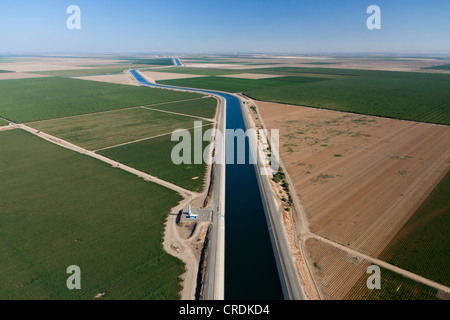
(106, 129)
(240, 85)
(48, 98)
(421, 246)
(3, 122)
(400, 95)
(205, 107)
(382, 154)
(393, 287)
(150, 61)
(83, 72)
(59, 208)
(441, 67)
(360, 179)
(199, 71)
(408, 99)
(153, 156)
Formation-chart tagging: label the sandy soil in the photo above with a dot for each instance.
(34, 64)
(19, 75)
(111, 78)
(359, 178)
(254, 76)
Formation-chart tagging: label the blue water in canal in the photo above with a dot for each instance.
(250, 268)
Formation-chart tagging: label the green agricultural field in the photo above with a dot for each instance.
(204, 107)
(422, 245)
(321, 63)
(153, 156)
(441, 67)
(3, 122)
(393, 287)
(407, 96)
(412, 96)
(298, 71)
(82, 72)
(200, 71)
(224, 61)
(239, 85)
(106, 129)
(154, 62)
(29, 100)
(59, 208)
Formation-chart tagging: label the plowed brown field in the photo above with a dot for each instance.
(359, 178)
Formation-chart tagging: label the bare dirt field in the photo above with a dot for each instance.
(34, 64)
(38, 65)
(337, 270)
(358, 177)
(121, 78)
(19, 75)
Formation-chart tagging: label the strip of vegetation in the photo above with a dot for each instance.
(83, 72)
(280, 178)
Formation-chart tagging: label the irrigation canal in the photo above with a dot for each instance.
(250, 268)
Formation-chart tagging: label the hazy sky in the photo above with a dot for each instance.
(195, 26)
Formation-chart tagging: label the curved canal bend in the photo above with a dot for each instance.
(250, 268)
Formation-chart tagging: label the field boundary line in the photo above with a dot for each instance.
(84, 114)
(108, 111)
(113, 163)
(143, 139)
(179, 114)
(171, 102)
(381, 263)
